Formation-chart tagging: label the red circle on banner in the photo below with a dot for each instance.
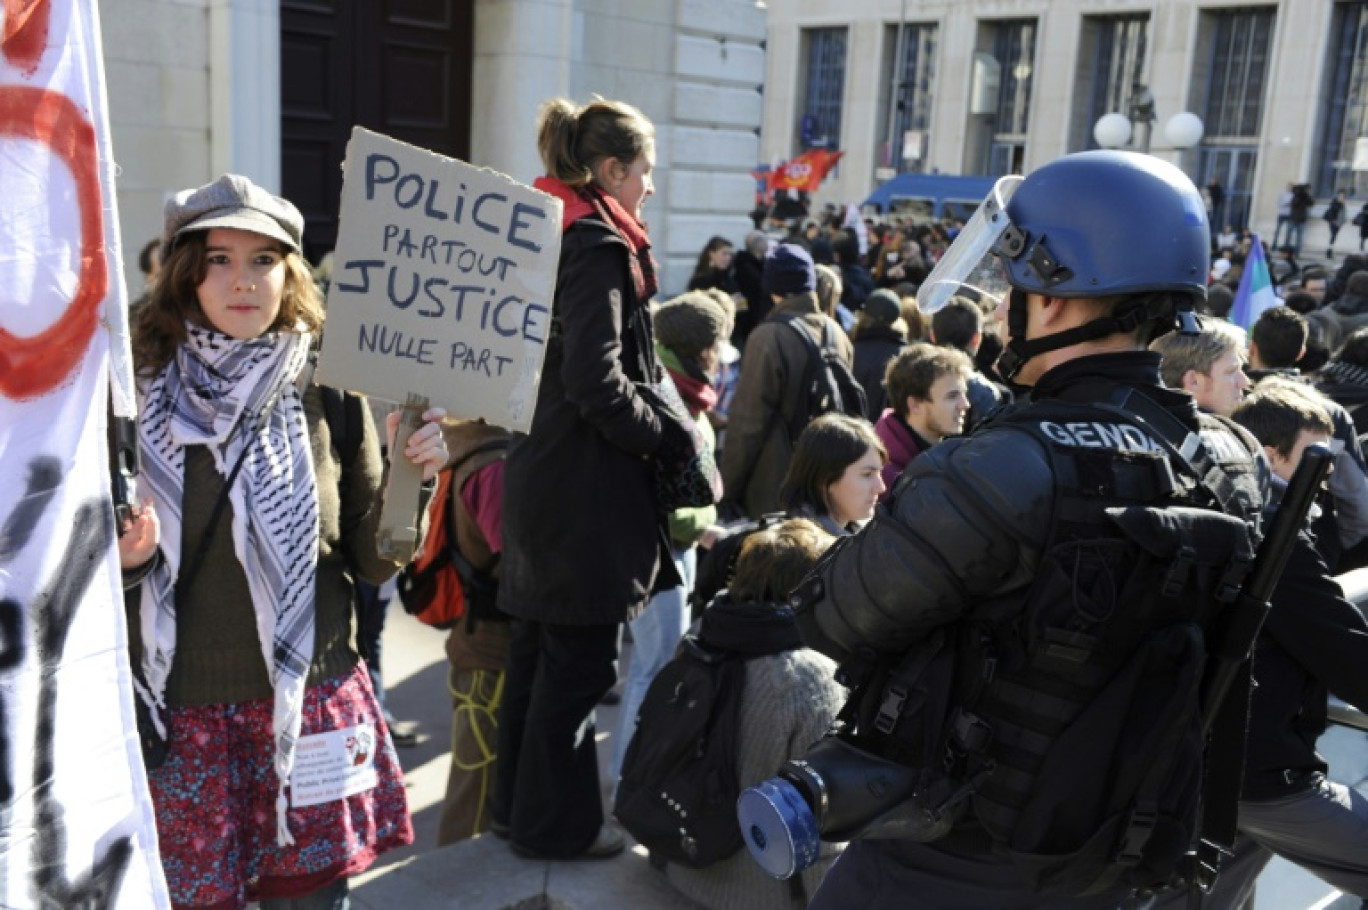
(34, 365)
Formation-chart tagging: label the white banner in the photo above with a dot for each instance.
(76, 823)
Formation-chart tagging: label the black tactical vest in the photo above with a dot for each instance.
(1087, 692)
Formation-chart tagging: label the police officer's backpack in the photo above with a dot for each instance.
(1073, 730)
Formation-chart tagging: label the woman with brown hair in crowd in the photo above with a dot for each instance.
(714, 267)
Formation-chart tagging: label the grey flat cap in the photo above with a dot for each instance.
(232, 201)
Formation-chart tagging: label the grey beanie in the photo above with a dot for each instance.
(690, 323)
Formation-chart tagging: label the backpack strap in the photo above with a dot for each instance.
(816, 353)
(1186, 447)
(343, 414)
(479, 585)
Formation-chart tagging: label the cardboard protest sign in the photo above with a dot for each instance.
(442, 283)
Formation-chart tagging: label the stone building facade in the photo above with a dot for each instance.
(196, 89)
(1000, 86)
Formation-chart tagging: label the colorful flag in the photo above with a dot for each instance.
(806, 172)
(1255, 293)
(76, 822)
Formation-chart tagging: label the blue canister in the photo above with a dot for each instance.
(779, 827)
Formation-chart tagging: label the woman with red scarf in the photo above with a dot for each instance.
(583, 541)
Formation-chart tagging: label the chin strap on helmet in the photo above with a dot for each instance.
(1019, 350)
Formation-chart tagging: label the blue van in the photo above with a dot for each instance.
(929, 197)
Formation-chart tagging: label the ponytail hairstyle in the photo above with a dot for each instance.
(573, 140)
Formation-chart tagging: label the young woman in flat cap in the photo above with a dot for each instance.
(279, 779)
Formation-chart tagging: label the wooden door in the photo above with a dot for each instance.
(399, 67)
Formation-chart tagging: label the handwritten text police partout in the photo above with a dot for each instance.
(446, 279)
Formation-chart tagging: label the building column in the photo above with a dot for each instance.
(522, 58)
(244, 89)
(717, 103)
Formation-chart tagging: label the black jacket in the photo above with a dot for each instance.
(856, 285)
(750, 278)
(713, 278)
(1345, 523)
(962, 547)
(874, 348)
(984, 397)
(1347, 385)
(1312, 641)
(582, 536)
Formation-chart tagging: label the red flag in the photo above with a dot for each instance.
(806, 172)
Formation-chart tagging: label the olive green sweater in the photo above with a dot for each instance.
(218, 651)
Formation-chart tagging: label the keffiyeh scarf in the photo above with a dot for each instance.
(228, 395)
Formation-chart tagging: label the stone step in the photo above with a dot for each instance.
(483, 874)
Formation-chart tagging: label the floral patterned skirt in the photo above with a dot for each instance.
(215, 800)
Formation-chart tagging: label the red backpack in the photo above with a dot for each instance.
(440, 586)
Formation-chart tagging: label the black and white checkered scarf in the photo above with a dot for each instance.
(225, 394)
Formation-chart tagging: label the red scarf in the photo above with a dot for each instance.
(588, 201)
(698, 395)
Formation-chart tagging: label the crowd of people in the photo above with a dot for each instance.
(242, 567)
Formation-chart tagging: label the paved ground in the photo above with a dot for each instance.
(415, 671)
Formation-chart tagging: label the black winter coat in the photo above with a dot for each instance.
(750, 277)
(856, 286)
(1347, 385)
(582, 538)
(1313, 641)
(873, 350)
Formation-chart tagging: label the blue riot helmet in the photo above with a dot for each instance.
(1090, 225)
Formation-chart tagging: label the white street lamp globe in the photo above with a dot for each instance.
(1184, 130)
(1112, 130)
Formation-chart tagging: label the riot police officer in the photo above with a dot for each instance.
(1004, 537)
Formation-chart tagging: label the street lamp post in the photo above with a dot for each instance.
(1182, 131)
(1112, 131)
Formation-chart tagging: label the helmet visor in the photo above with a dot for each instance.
(971, 260)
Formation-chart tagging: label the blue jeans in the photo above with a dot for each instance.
(655, 635)
(370, 629)
(1283, 221)
(333, 897)
(1296, 232)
